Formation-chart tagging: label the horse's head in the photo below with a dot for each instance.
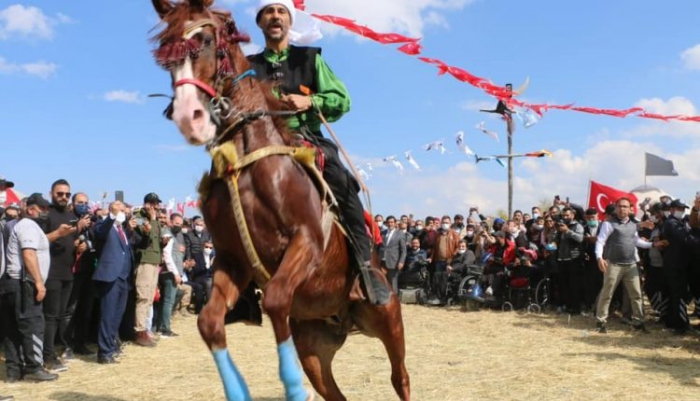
(199, 48)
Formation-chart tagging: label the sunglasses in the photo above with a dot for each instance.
(63, 194)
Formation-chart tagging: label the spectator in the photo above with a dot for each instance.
(656, 286)
(616, 255)
(61, 228)
(394, 254)
(28, 264)
(113, 270)
(178, 256)
(570, 254)
(593, 276)
(80, 304)
(148, 259)
(444, 250)
(195, 239)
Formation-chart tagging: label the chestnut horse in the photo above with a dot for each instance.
(264, 214)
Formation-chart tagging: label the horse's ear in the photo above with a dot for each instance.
(201, 4)
(163, 7)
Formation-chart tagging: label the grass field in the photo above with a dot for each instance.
(451, 355)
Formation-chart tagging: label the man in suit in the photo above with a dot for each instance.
(111, 277)
(394, 252)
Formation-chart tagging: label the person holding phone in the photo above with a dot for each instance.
(62, 230)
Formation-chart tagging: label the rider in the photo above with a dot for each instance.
(304, 83)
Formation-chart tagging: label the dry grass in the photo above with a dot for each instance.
(452, 355)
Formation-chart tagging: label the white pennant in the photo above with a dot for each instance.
(411, 160)
(462, 145)
(482, 127)
(395, 162)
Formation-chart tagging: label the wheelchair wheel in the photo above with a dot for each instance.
(534, 308)
(507, 307)
(542, 293)
(465, 286)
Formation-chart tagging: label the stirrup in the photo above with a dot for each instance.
(377, 292)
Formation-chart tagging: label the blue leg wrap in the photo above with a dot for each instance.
(290, 371)
(234, 384)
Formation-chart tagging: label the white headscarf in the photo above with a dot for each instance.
(288, 4)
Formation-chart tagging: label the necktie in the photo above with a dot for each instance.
(121, 234)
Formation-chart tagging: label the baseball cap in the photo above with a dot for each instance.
(38, 200)
(7, 184)
(151, 198)
(498, 221)
(13, 205)
(677, 203)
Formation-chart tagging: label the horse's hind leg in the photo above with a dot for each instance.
(385, 323)
(317, 342)
(224, 294)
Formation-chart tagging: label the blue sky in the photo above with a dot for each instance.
(74, 77)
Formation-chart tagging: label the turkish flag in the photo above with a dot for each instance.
(602, 195)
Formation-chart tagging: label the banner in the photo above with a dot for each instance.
(602, 196)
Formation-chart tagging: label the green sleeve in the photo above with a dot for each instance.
(332, 97)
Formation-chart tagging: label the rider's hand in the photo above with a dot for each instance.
(297, 102)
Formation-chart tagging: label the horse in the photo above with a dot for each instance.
(264, 213)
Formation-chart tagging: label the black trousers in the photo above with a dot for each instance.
(56, 318)
(656, 289)
(677, 279)
(80, 308)
(201, 288)
(575, 283)
(345, 189)
(594, 282)
(23, 319)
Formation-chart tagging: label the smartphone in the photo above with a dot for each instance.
(73, 222)
(119, 196)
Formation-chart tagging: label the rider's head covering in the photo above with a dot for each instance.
(288, 4)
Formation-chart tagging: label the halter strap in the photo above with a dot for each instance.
(199, 84)
(198, 24)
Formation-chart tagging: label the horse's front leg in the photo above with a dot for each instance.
(302, 253)
(224, 295)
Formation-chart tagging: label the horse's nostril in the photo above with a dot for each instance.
(197, 115)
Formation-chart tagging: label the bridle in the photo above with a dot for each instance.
(222, 112)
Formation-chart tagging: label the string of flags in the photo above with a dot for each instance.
(412, 47)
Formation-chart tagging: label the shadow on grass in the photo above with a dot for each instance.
(683, 369)
(77, 396)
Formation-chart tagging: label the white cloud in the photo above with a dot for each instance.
(40, 69)
(673, 106)
(172, 148)
(25, 22)
(691, 58)
(123, 96)
(677, 105)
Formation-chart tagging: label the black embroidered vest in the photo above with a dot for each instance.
(289, 75)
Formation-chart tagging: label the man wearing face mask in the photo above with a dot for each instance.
(195, 238)
(80, 305)
(111, 277)
(28, 266)
(569, 242)
(676, 262)
(62, 229)
(593, 276)
(444, 250)
(655, 285)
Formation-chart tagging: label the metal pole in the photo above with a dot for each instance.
(509, 124)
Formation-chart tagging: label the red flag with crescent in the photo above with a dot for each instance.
(603, 195)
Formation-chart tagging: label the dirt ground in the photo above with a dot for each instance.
(451, 355)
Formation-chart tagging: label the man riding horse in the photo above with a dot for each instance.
(303, 82)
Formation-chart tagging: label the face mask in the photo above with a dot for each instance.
(538, 227)
(445, 226)
(592, 223)
(535, 216)
(567, 221)
(419, 228)
(207, 251)
(653, 219)
(514, 231)
(667, 213)
(461, 251)
(678, 214)
(470, 234)
(175, 230)
(185, 230)
(42, 218)
(81, 210)
(199, 229)
(121, 217)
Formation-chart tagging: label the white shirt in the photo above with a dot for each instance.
(605, 230)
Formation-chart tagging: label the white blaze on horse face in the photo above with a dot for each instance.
(189, 113)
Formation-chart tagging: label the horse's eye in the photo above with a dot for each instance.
(208, 40)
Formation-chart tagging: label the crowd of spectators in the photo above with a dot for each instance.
(72, 276)
(584, 256)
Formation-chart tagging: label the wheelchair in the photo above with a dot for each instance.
(515, 290)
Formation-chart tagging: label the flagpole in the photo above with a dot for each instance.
(588, 195)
